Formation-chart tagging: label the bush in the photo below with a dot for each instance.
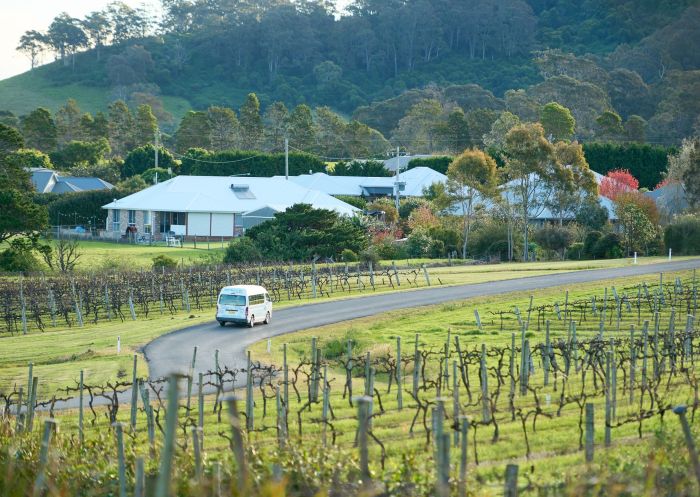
(589, 242)
(389, 251)
(358, 202)
(683, 235)
(18, 257)
(164, 262)
(490, 239)
(437, 249)
(575, 252)
(608, 247)
(348, 255)
(554, 238)
(418, 244)
(370, 255)
(242, 249)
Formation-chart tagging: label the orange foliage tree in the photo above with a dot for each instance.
(616, 182)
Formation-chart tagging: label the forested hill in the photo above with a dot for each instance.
(379, 58)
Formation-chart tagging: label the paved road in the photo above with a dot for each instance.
(173, 352)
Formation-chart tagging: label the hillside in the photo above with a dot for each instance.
(636, 58)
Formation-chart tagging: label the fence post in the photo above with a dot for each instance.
(249, 424)
(313, 387)
(40, 482)
(396, 273)
(478, 319)
(689, 441)
(237, 443)
(24, 305)
(608, 397)
(166, 456)
(134, 394)
(590, 431)
(371, 274)
(119, 432)
(285, 367)
(547, 345)
(197, 436)
(81, 385)
(511, 489)
(399, 373)
(132, 310)
(140, 477)
(31, 405)
(363, 404)
(425, 273)
(190, 378)
(464, 432)
(485, 407)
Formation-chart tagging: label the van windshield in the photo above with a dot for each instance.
(232, 299)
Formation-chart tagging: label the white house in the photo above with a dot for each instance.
(402, 161)
(211, 206)
(411, 183)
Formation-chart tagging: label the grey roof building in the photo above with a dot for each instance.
(48, 181)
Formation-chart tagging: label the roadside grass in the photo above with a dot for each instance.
(555, 456)
(61, 352)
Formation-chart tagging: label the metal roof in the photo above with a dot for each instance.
(214, 194)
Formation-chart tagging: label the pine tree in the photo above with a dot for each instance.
(121, 128)
(251, 123)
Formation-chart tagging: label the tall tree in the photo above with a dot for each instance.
(194, 132)
(496, 138)
(145, 125)
(557, 121)
(251, 123)
(121, 128)
(32, 44)
(224, 128)
(68, 122)
(66, 36)
(98, 28)
(10, 140)
(39, 130)
(471, 179)
(531, 167)
(564, 199)
(302, 131)
(609, 125)
(276, 121)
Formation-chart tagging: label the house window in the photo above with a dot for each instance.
(169, 218)
(115, 219)
(132, 217)
(147, 222)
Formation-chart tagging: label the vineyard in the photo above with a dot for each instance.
(577, 381)
(37, 302)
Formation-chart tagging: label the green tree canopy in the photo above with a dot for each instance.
(557, 121)
(39, 130)
(143, 158)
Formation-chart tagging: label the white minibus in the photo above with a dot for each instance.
(244, 304)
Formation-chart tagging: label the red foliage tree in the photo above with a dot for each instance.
(616, 182)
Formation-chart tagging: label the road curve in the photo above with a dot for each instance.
(173, 352)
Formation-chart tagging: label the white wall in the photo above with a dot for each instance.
(198, 223)
(221, 224)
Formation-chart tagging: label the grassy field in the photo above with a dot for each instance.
(25, 92)
(554, 456)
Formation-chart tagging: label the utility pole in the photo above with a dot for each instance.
(286, 158)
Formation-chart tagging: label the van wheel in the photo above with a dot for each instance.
(268, 318)
(251, 323)
(222, 323)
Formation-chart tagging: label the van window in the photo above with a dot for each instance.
(225, 299)
(256, 299)
(267, 298)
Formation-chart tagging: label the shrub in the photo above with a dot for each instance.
(370, 255)
(358, 202)
(589, 243)
(348, 255)
(575, 252)
(164, 262)
(242, 249)
(608, 247)
(418, 244)
(19, 257)
(437, 249)
(389, 250)
(554, 238)
(683, 235)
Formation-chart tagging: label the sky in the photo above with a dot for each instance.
(16, 17)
